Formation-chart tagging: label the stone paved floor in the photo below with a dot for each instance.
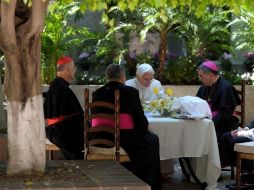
(177, 181)
(76, 175)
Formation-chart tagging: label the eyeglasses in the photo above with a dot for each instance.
(147, 79)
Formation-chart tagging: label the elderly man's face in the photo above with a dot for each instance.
(146, 79)
(71, 70)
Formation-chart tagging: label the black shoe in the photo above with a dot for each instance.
(220, 179)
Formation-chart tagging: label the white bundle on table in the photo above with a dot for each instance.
(192, 107)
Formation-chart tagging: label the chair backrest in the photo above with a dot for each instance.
(240, 112)
(114, 131)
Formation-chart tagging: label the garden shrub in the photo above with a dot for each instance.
(180, 71)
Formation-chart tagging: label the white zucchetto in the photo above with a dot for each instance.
(144, 68)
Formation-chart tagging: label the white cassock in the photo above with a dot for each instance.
(146, 93)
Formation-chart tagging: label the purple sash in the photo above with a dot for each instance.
(125, 121)
(214, 113)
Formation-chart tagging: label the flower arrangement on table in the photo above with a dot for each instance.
(162, 104)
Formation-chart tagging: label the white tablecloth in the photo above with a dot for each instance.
(190, 138)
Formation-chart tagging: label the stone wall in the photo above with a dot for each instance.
(178, 90)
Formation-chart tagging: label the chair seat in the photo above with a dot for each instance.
(97, 153)
(50, 145)
(247, 147)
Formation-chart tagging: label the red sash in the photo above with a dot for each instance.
(55, 120)
(59, 119)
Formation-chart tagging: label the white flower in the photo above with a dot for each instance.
(245, 76)
(248, 76)
(252, 77)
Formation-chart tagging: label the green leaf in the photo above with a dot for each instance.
(132, 4)
(156, 3)
(122, 5)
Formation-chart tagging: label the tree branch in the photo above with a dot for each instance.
(39, 8)
(7, 27)
(22, 13)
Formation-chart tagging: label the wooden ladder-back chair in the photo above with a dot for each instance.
(95, 148)
(240, 113)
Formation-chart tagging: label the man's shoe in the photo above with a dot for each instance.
(220, 179)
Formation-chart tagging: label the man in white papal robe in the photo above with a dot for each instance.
(148, 87)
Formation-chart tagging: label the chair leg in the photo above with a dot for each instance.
(238, 170)
(50, 154)
(232, 172)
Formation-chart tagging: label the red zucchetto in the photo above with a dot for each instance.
(63, 60)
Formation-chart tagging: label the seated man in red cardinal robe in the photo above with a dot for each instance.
(63, 112)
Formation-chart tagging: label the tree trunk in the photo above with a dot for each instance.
(26, 137)
(22, 85)
(26, 128)
(162, 52)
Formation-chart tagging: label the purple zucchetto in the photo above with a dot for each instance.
(211, 65)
